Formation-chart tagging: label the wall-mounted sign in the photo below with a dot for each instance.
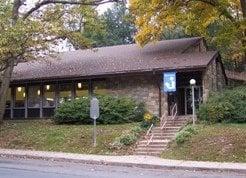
(169, 81)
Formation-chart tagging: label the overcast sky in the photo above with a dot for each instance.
(64, 45)
(101, 9)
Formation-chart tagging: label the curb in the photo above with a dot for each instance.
(126, 161)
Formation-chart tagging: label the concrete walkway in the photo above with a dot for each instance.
(131, 161)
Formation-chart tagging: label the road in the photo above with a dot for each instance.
(27, 168)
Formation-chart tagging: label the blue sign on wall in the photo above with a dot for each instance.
(169, 81)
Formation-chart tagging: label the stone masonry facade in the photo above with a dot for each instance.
(213, 78)
(142, 88)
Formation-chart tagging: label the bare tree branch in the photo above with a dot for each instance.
(15, 12)
(71, 2)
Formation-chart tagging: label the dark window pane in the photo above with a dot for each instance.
(65, 92)
(34, 96)
(19, 113)
(7, 113)
(48, 112)
(33, 112)
(99, 87)
(82, 89)
(49, 96)
(20, 96)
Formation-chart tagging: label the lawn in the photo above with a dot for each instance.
(44, 135)
(218, 142)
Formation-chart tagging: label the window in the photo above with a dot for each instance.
(81, 89)
(65, 92)
(8, 99)
(34, 93)
(20, 96)
(49, 96)
(99, 87)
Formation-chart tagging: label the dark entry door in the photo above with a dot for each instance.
(188, 99)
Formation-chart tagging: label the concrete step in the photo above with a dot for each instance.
(155, 141)
(151, 146)
(148, 153)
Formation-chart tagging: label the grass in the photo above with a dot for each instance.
(46, 136)
(218, 142)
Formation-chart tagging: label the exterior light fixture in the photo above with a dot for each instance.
(79, 85)
(19, 89)
(24, 94)
(38, 92)
(47, 87)
(193, 83)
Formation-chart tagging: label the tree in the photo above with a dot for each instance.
(114, 27)
(28, 33)
(119, 25)
(221, 22)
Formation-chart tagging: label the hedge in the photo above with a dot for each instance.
(113, 110)
(226, 106)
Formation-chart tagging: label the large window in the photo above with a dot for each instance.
(49, 96)
(8, 99)
(20, 97)
(99, 87)
(81, 89)
(65, 92)
(34, 93)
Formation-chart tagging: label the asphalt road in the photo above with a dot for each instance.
(26, 168)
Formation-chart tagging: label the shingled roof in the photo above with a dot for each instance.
(159, 56)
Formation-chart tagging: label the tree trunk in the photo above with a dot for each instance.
(4, 87)
(243, 6)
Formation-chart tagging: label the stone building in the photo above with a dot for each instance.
(38, 87)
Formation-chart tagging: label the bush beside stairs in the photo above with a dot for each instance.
(161, 137)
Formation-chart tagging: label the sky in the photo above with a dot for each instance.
(64, 45)
(101, 8)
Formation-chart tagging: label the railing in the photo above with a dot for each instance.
(148, 133)
(174, 112)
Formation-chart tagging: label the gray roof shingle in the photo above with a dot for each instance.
(162, 55)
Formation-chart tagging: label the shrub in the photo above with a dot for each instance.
(227, 106)
(148, 120)
(185, 134)
(113, 110)
(129, 138)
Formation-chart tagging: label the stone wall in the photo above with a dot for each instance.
(143, 88)
(213, 78)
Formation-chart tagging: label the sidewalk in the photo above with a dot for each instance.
(130, 161)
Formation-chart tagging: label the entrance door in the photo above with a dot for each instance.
(188, 98)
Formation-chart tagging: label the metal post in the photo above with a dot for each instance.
(193, 104)
(94, 133)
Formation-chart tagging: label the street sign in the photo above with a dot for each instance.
(94, 114)
(94, 108)
(169, 81)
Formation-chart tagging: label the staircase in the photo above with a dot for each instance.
(157, 138)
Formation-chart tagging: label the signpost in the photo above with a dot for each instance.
(94, 114)
(169, 81)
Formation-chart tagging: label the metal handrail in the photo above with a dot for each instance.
(174, 114)
(150, 140)
(148, 133)
(176, 111)
(149, 130)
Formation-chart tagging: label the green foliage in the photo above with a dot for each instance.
(113, 110)
(149, 119)
(129, 138)
(221, 22)
(185, 134)
(227, 106)
(114, 27)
